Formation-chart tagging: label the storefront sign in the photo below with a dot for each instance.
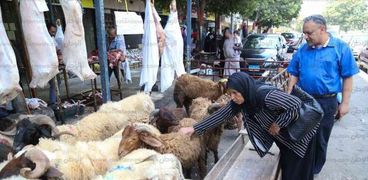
(128, 23)
(87, 3)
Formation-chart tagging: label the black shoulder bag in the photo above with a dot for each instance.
(310, 113)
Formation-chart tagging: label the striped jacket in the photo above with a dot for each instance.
(281, 108)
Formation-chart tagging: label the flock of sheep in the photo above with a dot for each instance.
(128, 139)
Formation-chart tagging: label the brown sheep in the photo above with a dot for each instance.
(188, 87)
(211, 139)
(164, 118)
(187, 149)
(236, 121)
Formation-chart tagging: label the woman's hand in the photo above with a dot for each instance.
(186, 131)
(274, 129)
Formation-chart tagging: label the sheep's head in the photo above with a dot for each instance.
(222, 86)
(129, 142)
(214, 107)
(199, 108)
(30, 164)
(164, 119)
(33, 127)
(137, 136)
(29, 133)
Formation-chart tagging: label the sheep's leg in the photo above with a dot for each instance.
(202, 167)
(187, 103)
(215, 154)
(206, 157)
(179, 99)
(187, 173)
(202, 163)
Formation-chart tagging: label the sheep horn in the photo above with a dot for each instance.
(46, 120)
(11, 131)
(58, 134)
(41, 161)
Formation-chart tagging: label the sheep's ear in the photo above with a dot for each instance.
(222, 88)
(149, 139)
(127, 130)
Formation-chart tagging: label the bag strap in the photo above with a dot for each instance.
(261, 94)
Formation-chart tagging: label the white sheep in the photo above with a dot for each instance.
(145, 164)
(187, 149)
(83, 160)
(110, 118)
(137, 107)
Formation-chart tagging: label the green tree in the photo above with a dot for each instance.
(349, 14)
(227, 7)
(270, 13)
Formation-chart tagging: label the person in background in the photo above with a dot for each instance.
(220, 53)
(237, 37)
(231, 53)
(266, 116)
(184, 35)
(116, 52)
(244, 32)
(323, 67)
(210, 41)
(52, 28)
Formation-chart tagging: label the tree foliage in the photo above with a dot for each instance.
(227, 7)
(349, 14)
(270, 13)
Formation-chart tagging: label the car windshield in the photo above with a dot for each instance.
(261, 42)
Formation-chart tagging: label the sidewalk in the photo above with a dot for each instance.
(347, 154)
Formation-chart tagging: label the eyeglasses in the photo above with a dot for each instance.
(310, 33)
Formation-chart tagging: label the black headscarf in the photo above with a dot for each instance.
(247, 86)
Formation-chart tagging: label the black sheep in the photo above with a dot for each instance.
(30, 133)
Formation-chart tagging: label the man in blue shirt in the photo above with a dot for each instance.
(323, 67)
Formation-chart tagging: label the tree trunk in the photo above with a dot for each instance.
(217, 23)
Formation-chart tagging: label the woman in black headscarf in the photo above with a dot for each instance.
(266, 114)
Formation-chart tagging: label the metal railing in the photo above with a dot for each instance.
(211, 67)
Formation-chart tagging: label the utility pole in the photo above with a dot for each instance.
(189, 33)
(102, 49)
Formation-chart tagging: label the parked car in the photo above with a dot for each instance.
(296, 46)
(292, 40)
(261, 51)
(363, 56)
(363, 59)
(357, 44)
